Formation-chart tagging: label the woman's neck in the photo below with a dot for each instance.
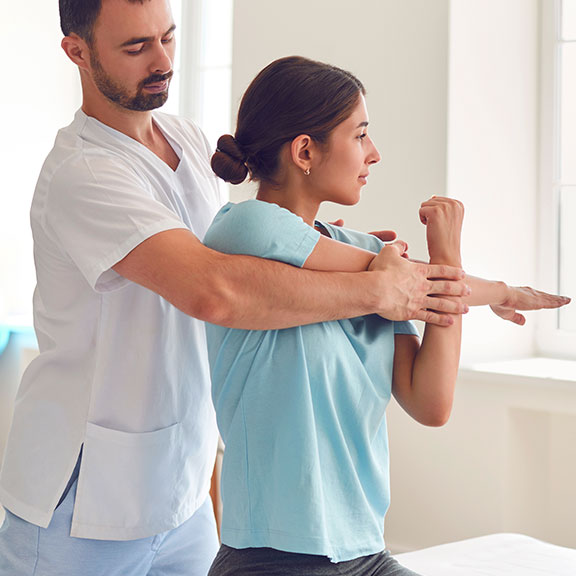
(297, 201)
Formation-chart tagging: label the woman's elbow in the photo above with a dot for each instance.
(436, 416)
(437, 419)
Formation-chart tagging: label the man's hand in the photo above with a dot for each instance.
(418, 291)
(384, 235)
(525, 298)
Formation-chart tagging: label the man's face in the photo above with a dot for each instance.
(132, 53)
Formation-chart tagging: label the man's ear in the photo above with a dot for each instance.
(302, 151)
(77, 50)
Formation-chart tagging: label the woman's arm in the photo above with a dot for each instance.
(505, 301)
(424, 375)
(336, 256)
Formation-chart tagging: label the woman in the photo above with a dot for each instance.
(305, 483)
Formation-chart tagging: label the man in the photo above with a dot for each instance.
(112, 446)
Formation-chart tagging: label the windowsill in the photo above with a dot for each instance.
(536, 368)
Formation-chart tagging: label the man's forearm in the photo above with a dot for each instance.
(253, 293)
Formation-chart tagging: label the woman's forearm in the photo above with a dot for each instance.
(426, 391)
(424, 387)
(486, 292)
(435, 372)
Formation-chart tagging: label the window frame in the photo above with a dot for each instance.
(199, 19)
(551, 341)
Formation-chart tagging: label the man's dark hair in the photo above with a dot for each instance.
(79, 17)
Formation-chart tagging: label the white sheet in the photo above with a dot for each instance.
(495, 555)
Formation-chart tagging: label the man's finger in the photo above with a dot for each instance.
(385, 235)
(444, 271)
(445, 305)
(448, 288)
(431, 317)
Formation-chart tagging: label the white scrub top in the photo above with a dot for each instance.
(121, 371)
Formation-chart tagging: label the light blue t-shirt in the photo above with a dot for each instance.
(301, 411)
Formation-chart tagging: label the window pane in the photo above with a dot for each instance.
(217, 30)
(569, 19)
(568, 115)
(216, 103)
(172, 105)
(567, 244)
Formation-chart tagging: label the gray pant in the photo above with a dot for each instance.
(270, 562)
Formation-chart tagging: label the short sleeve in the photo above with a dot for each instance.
(262, 229)
(100, 209)
(406, 328)
(354, 237)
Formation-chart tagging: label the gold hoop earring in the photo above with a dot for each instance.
(307, 172)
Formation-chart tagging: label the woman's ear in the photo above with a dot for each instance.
(302, 151)
(77, 50)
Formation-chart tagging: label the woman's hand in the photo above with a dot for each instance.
(525, 298)
(443, 220)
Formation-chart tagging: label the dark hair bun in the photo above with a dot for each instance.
(228, 162)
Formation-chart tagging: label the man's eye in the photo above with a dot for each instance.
(135, 50)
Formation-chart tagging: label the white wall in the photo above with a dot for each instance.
(506, 462)
(493, 156)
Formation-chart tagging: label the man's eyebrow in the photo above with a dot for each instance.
(144, 39)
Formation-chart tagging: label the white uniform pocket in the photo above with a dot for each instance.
(127, 483)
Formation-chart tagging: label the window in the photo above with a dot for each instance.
(204, 65)
(557, 336)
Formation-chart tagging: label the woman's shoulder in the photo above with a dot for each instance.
(262, 229)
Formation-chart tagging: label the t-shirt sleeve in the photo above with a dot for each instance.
(406, 328)
(354, 237)
(100, 209)
(262, 229)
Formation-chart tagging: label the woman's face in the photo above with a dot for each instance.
(344, 166)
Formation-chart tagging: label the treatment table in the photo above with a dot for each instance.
(494, 555)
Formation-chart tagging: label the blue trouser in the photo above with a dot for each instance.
(27, 550)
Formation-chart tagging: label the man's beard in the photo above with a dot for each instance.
(117, 93)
